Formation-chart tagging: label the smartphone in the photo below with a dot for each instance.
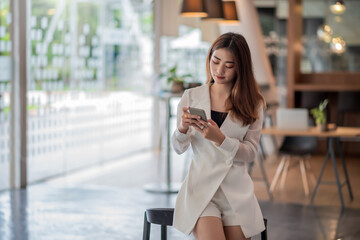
(198, 112)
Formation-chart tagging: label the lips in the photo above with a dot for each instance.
(219, 77)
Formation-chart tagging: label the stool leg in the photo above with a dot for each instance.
(163, 232)
(146, 230)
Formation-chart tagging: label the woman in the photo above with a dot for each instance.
(216, 200)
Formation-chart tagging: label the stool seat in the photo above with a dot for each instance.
(161, 216)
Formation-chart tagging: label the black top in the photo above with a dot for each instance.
(218, 117)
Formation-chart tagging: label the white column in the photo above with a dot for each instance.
(18, 168)
(155, 131)
(73, 13)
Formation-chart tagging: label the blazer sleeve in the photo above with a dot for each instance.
(244, 151)
(181, 141)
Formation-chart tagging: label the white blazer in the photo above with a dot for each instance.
(217, 166)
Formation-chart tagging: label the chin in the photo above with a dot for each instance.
(224, 81)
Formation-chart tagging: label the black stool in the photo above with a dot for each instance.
(161, 216)
(164, 217)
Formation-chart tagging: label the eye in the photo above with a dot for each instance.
(229, 66)
(215, 62)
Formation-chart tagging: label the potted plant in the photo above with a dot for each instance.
(175, 81)
(319, 114)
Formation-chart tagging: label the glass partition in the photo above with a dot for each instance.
(5, 93)
(86, 58)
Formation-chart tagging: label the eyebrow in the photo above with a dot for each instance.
(220, 60)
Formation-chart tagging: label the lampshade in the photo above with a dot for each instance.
(230, 12)
(193, 8)
(338, 7)
(214, 9)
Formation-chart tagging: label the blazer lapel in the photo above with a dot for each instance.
(201, 99)
(230, 127)
(207, 102)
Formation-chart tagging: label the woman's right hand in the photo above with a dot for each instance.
(188, 120)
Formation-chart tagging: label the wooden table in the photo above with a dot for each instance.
(334, 135)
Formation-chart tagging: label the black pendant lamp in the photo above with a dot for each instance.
(214, 9)
(230, 12)
(193, 8)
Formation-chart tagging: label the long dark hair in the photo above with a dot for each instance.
(245, 95)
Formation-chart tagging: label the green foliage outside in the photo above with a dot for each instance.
(172, 76)
(87, 13)
(4, 11)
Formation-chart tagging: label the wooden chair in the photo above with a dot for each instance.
(295, 148)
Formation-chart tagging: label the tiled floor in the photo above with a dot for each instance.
(108, 202)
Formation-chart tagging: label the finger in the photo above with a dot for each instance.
(198, 124)
(203, 122)
(197, 128)
(192, 121)
(189, 116)
(188, 121)
(194, 116)
(185, 109)
(185, 112)
(212, 122)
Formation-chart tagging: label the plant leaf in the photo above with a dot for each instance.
(173, 70)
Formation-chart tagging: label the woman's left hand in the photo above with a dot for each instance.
(211, 131)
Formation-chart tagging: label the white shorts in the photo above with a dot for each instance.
(220, 207)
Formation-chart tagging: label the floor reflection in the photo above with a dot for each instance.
(19, 215)
(47, 211)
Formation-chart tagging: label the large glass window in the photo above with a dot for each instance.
(85, 57)
(5, 93)
(187, 52)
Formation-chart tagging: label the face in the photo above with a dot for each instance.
(222, 66)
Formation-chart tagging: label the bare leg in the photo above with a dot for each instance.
(234, 233)
(209, 228)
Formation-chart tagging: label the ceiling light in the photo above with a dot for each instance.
(324, 33)
(230, 12)
(338, 7)
(214, 9)
(193, 8)
(338, 45)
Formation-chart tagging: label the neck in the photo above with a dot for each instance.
(221, 90)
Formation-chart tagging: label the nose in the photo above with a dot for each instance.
(221, 69)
